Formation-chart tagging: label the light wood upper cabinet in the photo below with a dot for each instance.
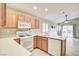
(32, 23)
(2, 14)
(28, 18)
(35, 23)
(21, 17)
(11, 20)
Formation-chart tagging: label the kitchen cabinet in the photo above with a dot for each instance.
(28, 18)
(11, 20)
(24, 22)
(32, 23)
(35, 23)
(45, 44)
(2, 14)
(55, 47)
(20, 17)
(35, 41)
(41, 43)
(17, 40)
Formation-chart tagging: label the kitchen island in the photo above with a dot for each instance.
(53, 45)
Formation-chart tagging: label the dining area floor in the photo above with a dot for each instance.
(72, 47)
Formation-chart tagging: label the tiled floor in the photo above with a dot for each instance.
(72, 47)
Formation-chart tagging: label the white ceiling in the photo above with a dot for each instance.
(54, 9)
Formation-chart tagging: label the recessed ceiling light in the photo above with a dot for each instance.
(35, 7)
(46, 9)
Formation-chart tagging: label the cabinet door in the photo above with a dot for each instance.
(32, 23)
(2, 14)
(39, 42)
(54, 47)
(28, 18)
(34, 42)
(21, 17)
(35, 24)
(11, 20)
(45, 44)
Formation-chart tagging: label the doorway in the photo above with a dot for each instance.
(67, 31)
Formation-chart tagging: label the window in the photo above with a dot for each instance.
(45, 28)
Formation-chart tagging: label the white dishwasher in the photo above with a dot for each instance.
(27, 42)
(54, 47)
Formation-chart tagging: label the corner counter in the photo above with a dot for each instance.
(8, 47)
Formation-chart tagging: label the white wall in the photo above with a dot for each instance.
(53, 31)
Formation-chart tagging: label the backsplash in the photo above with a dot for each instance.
(7, 32)
(4, 32)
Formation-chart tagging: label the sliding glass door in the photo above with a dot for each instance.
(67, 31)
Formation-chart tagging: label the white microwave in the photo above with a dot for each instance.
(24, 25)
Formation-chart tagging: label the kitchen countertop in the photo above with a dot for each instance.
(49, 36)
(57, 37)
(53, 37)
(8, 47)
(21, 37)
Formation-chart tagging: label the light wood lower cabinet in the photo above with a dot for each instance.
(35, 42)
(41, 43)
(45, 44)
